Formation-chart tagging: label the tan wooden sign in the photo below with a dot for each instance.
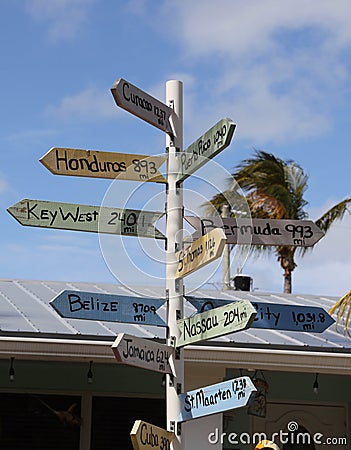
(97, 164)
(145, 436)
(201, 252)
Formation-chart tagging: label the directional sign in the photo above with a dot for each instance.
(206, 147)
(200, 253)
(303, 233)
(145, 436)
(142, 105)
(96, 219)
(275, 316)
(143, 353)
(96, 164)
(108, 307)
(236, 316)
(216, 398)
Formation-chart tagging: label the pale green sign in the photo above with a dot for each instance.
(236, 316)
(95, 219)
(205, 147)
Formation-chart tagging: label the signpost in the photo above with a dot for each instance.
(200, 253)
(143, 353)
(142, 105)
(96, 219)
(216, 398)
(179, 261)
(236, 316)
(275, 316)
(96, 164)
(206, 147)
(108, 307)
(145, 436)
(302, 233)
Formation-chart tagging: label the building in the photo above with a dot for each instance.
(62, 388)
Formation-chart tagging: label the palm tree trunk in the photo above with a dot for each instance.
(288, 284)
(286, 259)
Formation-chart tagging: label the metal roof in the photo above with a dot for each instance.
(25, 310)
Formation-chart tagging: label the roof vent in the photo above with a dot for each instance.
(242, 282)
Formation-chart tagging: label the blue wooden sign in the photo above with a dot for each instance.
(216, 398)
(275, 316)
(108, 307)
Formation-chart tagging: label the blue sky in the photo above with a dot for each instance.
(280, 70)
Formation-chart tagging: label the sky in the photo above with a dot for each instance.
(280, 70)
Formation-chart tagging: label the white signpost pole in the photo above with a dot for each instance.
(174, 287)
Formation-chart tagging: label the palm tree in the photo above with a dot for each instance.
(274, 189)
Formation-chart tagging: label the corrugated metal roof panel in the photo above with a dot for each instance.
(25, 308)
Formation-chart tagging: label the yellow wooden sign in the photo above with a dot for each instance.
(201, 252)
(97, 164)
(145, 436)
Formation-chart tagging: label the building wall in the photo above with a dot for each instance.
(121, 381)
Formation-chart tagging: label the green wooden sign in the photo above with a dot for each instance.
(96, 219)
(236, 316)
(205, 147)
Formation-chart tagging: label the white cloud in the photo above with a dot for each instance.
(279, 67)
(65, 18)
(87, 104)
(3, 184)
(249, 27)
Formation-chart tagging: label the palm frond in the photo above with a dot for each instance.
(266, 177)
(297, 181)
(343, 304)
(335, 213)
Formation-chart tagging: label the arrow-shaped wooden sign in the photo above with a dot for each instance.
(275, 316)
(96, 219)
(143, 353)
(142, 105)
(205, 147)
(230, 318)
(303, 233)
(145, 436)
(200, 253)
(230, 394)
(108, 307)
(97, 164)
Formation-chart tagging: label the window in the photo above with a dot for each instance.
(39, 422)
